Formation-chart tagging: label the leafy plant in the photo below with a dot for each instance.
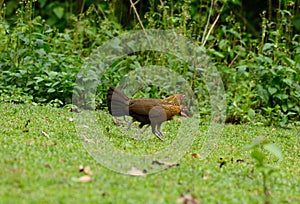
(257, 148)
(40, 61)
(45, 44)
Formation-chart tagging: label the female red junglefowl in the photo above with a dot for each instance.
(147, 111)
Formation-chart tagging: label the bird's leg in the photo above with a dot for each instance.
(129, 125)
(157, 133)
(139, 132)
(145, 128)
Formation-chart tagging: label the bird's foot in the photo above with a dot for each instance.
(159, 135)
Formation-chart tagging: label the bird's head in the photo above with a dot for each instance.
(175, 99)
(185, 111)
(179, 97)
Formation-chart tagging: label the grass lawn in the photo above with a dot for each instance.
(40, 159)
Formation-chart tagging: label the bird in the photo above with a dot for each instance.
(146, 111)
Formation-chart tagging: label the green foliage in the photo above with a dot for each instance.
(265, 79)
(39, 61)
(45, 169)
(40, 58)
(260, 157)
(13, 94)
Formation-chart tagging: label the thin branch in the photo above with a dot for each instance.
(207, 22)
(136, 2)
(101, 10)
(1, 3)
(235, 57)
(139, 19)
(213, 25)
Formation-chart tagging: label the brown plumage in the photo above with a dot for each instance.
(147, 111)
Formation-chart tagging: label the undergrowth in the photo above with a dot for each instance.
(39, 62)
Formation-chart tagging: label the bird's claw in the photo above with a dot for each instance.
(159, 135)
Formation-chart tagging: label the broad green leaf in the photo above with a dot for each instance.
(264, 59)
(38, 79)
(30, 83)
(272, 90)
(274, 150)
(289, 61)
(223, 44)
(288, 81)
(267, 46)
(216, 53)
(51, 90)
(39, 42)
(41, 52)
(255, 143)
(67, 36)
(258, 156)
(262, 93)
(284, 107)
(59, 12)
(281, 96)
(251, 113)
(288, 69)
(242, 70)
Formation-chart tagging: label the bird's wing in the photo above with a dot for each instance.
(158, 114)
(171, 110)
(142, 106)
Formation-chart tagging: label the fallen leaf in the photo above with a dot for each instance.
(136, 172)
(45, 134)
(187, 199)
(75, 110)
(240, 160)
(179, 120)
(48, 166)
(205, 177)
(222, 163)
(86, 139)
(80, 168)
(62, 160)
(87, 170)
(27, 122)
(84, 179)
(269, 193)
(195, 155)
(117, 122)
(168, 164)
(104, 194)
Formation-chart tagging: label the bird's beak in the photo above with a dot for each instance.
(184, 114)
(182, 97)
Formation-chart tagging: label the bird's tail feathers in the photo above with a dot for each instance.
(118, 102)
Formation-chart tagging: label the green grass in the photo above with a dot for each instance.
(40, 169)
